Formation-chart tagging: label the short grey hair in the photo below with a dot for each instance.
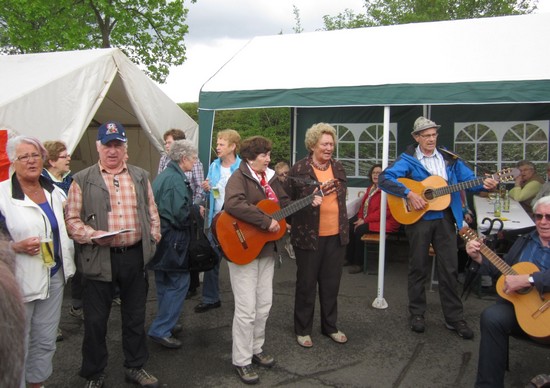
(182, 149)
(541, 201)
(14, 142)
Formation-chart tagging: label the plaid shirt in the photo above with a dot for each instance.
(123, 214)
(195, 177)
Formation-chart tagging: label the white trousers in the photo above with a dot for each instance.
(42, 320)
(252, 286)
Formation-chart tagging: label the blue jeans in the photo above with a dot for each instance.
(211, 279)
(171, 291)
(497, 322)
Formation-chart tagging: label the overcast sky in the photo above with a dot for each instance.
(219, 28)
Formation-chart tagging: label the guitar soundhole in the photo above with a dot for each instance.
(429, 194)
(524, 291)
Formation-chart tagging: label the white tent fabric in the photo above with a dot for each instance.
(57, 96)
(379, 65)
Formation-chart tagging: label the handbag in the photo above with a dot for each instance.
(201, 255)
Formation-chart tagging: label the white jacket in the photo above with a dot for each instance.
(24, 219)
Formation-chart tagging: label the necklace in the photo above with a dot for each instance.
(320, 167)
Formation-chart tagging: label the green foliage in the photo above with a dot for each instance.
(150, 32)
(391, 12)
(273, 123)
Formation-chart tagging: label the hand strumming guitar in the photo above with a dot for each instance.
(417, 202)
(490, 184)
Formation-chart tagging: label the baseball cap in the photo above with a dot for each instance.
(111, 130)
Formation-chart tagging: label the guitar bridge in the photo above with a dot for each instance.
(240, 235)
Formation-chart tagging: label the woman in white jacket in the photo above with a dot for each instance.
(32, 210)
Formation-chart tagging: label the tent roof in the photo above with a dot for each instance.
(56, 96)
(489, 60)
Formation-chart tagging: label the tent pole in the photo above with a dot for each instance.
(380, 302)
(293, 135)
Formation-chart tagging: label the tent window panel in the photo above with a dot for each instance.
(361, 143)
(349, 166)
(502, 144)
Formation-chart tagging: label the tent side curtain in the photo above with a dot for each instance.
(381, 95)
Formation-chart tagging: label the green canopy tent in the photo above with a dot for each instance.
(489, 62)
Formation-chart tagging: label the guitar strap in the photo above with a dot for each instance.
(306, 181)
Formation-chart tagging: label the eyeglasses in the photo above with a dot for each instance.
(434, 135)
(27, 158)
(539, 217)
(284, 173)
(64, 156)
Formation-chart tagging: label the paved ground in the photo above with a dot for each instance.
(381, 352)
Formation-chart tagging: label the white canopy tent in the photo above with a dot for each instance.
(501, 60)
(58, 96)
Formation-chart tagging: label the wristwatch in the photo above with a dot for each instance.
(531, 280)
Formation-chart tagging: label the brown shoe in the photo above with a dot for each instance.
(140, 377)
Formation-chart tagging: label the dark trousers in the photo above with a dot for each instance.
(442, 235)
(76, 289)
(97, 297)
(355, 249)
(322, 267)
(497, 322)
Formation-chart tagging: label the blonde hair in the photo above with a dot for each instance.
(316, 131)
(232, 137)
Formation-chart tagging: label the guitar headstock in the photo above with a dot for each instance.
(467, 234)
(505, 175)
(330, 186)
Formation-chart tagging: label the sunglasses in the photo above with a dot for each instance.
(539, 217)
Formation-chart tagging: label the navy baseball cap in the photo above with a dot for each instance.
(111, 130)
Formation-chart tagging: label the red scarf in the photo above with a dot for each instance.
(268, 190)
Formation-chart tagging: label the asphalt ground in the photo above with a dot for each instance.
(382, 351)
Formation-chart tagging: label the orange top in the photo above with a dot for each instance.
(328, 223)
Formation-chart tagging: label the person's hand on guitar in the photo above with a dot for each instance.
(490, 184)
(417, 202)
(274, 227)
(317, 200)
(516, 282)
(473, 250)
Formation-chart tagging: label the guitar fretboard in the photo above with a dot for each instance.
(457, 187)
(293, 207)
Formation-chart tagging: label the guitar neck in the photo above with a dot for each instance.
(293, 207)
(501, 265)
(457, 187)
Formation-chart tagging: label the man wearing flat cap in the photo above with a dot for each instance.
(108, 197)
(435, 227)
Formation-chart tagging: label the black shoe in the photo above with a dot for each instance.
(191, 293)
(461, 328)
(176, 329)
(95, 383)
(263, 359)
(355, 269)
(202, 307)
(167, 342)
(247, 374)
(417, 323)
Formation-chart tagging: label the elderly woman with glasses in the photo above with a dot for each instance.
(31, 210)
(57, 166)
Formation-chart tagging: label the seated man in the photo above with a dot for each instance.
(499, 321)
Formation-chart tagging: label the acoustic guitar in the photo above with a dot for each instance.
(242, 242)
(436, 193)
(532, 309)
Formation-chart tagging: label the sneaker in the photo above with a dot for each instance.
(247, 374)
(117, 301)
(263, 359)
(141, 377)
(417, 323)
(461, 328)
(78, 313)
(95, 383)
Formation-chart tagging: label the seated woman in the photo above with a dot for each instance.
(367, 220)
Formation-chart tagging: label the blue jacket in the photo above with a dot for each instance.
(214, 174)
(407, 166)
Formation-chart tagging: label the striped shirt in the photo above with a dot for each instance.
(123, 214)
(435, 164)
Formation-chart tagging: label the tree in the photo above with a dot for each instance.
(390, 12)
(150, 32)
